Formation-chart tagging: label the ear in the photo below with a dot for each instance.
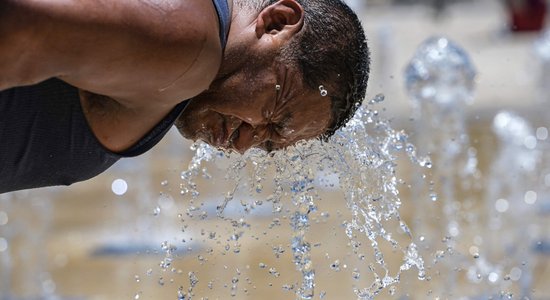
(280, 21)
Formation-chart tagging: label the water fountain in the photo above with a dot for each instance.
(512, 186)
(440, 81)
(365, 174)
(366, 177)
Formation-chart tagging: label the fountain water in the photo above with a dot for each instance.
(511, 195)
(361, 159)
(359, 168)
(440, 81)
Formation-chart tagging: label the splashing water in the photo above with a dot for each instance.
(363, 157)
(511, 187)
(440, 81)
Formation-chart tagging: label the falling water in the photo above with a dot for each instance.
(440, 80)
(511, 196)
(362, 156)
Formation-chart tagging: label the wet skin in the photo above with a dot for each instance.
(135, 60)
(242, 108)
(268, 108)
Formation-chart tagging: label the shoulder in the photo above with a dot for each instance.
(183, 52)
(173, 49)
(122, 48)
(177, 56)
(189, 35)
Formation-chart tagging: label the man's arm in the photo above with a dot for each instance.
(134, 60)
(129, 50)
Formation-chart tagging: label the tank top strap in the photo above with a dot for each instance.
(224, 17)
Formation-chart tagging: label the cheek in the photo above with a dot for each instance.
(195, 121)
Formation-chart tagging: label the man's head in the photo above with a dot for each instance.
(292, 70)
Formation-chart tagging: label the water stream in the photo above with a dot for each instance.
(361, 160)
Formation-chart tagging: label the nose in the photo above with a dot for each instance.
(249, 136)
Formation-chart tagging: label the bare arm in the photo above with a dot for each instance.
(125, 49)
(136, 59)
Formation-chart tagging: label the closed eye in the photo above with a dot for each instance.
(282, 125)
(267, 146)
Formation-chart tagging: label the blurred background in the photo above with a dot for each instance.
(484, 233)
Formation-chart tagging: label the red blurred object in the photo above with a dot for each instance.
(526, 15)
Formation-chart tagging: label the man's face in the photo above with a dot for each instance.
(267, 108)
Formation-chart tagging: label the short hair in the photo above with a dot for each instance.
(331, 50)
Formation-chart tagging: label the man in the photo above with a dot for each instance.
(84, 83)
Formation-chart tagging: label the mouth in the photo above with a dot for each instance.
(234, 136)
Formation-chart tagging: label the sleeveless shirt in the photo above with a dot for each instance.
(45, 139)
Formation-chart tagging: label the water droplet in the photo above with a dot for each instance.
(274, 272)
(288, 287)
(530, 197)
(515, 273)
(277, 87)
(323, 91)
(542, 133)
(530, 142)
(501, 205)
(3, 218)
(355, 274)
(335, 266)
(493, 277)
(119, 187)
(156, 211)
(193, 280)
(3, 244)
(378, 99)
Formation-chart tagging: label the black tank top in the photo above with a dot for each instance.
(45, 139)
